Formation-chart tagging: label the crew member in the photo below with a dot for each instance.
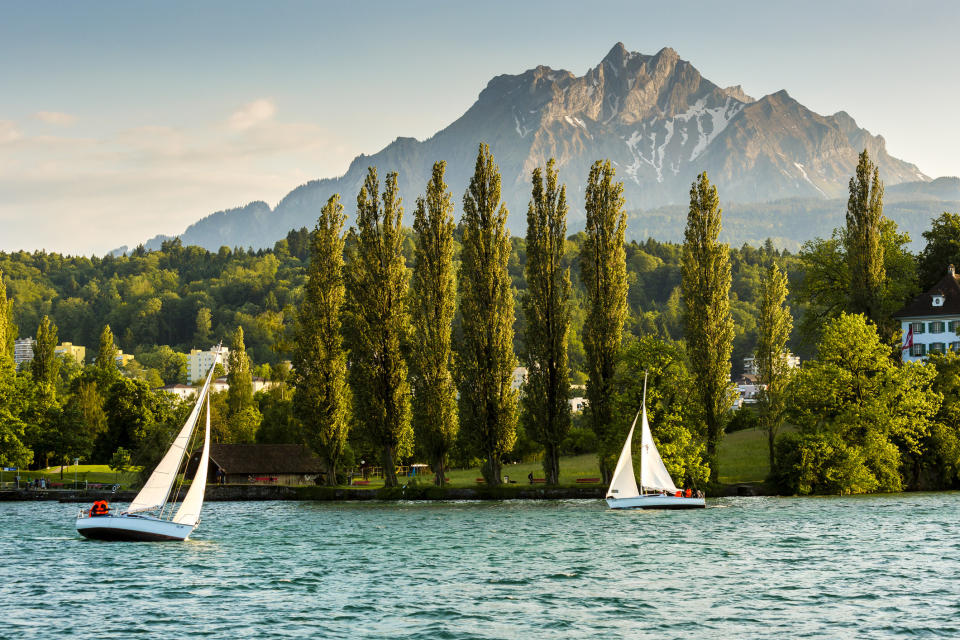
(688, 493)
(99, 508)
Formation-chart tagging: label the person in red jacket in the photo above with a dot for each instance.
(99, 508)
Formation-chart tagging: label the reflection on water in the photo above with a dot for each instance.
(867, 567)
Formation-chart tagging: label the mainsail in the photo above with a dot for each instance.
(189, 511)
(154, 493)
(653, 475)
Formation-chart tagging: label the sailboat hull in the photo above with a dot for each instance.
(132, 528)
(656, 501)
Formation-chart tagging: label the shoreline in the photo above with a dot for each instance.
(240, 493)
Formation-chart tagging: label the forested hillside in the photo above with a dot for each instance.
(188, 297)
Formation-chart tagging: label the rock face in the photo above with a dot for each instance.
(655, 117)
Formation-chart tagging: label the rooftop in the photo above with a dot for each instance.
(943, 299)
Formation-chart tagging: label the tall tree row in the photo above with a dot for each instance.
(705, 286)
(433, 304)
(604, 274)
(546, 408)
(13, 450)
(773, 329)
(321, 400)
(106, 351)
(486, 360)
(378, 322)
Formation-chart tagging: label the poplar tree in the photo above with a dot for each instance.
(486, 360)
(773, 329)
(107, 352)
(705, 286)
(7, 333)
(433, 303)
(243, 417)
(379, 323)
(545, 398)
(45, 366)
(865, 258)
(321, 399)
(603, 270)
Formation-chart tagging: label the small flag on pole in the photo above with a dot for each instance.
(908, 341)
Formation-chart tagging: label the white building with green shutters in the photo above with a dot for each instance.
(931, 321)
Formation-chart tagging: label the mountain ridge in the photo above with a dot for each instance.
(657, 119)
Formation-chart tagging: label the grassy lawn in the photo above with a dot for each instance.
(94, 473)
(744, 457)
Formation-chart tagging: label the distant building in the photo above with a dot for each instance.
(23, 350)
(578, 404)
(260, 464)
(184, 391)
(750, 363)
(219, 384)
(931, 321)
(123, 359)
(70, 350)
(199, 362)
(519, 377)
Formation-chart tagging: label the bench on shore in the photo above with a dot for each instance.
(588, 480)
(539, 480)
(361, 482)
(480, 480)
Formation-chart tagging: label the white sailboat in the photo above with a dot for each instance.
(656, 490)
(151, 516)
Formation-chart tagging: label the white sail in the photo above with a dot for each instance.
(624, 483)
(653, 475)
(154, 493)
(189, 511)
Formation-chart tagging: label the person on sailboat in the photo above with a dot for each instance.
(99, 508)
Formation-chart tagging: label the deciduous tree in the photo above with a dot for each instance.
(773, 329)
(378, 322)
(321, 399)
(705, 286)
(433, 303)
(604, 275)
(486, 359)
(545, 398)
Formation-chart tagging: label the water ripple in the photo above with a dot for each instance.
(862, 567)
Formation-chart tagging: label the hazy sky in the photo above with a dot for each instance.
(122, 120)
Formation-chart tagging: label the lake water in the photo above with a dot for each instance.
(863, 567)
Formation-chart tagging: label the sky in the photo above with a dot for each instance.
(123, 120)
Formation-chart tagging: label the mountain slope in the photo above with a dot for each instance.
(654, 116)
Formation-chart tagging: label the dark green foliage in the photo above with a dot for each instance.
(863, 417)
(485, 351)
(863, 268)
(378, 323)
(673, 410)
(45, 365)
(863, 243)
(433, 301)
(942, 249)
(321, 401)
(546, 410)
(603, 273)
(107, 351)
(773, 329)
(706, 312)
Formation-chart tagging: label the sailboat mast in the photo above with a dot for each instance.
(644, 407)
